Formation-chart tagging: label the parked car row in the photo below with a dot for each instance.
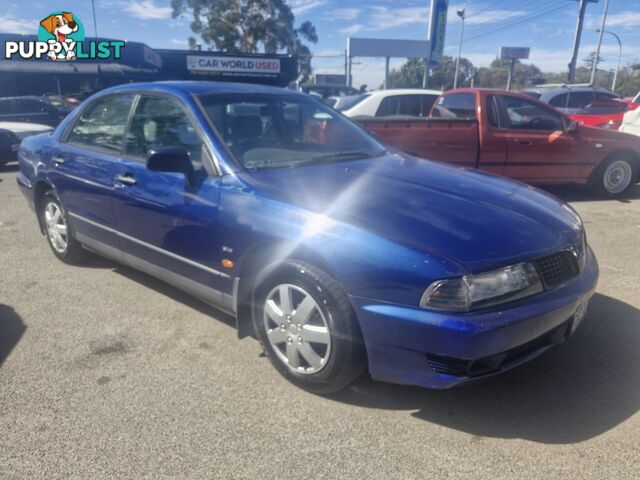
(338, 253)
(516, 136)
(21, 117)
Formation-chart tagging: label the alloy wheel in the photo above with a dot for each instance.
(56, 227)
(297, 329)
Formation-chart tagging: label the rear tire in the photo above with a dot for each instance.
(59, 235)
(308, 328)
(615, 176)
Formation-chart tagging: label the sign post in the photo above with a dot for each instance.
(436, 35)
(514, 54)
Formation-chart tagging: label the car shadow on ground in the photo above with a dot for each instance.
(11, 330)
(572, 393)
(573, 193)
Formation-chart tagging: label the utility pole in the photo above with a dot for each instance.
(595, 60)
(576, 41)
(455, 75)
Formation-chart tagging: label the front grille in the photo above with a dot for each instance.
(557, 268)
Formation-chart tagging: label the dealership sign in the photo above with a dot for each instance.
(210, 64)
(514, 53)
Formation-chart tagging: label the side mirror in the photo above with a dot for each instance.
(174, 159)
(573, 126)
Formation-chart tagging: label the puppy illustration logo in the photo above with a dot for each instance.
(62, 31)
(61, 38)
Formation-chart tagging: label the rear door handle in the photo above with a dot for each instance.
(57, 160)
(522, 141)
(127, 179)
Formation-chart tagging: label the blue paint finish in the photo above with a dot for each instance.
(384, 227)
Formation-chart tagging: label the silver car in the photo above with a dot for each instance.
(568, 99)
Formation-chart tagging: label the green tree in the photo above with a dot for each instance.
(248, 26)
(588, 60)
(411, 74)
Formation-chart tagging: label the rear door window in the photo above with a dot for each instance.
(456, 105)
(388, 106)
(579, 99)
(559, 101)
(427, 104)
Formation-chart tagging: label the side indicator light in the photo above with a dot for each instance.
(226, 263)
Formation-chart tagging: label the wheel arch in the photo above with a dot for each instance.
(256, 264)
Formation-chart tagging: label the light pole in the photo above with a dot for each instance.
(455, 75)
(95, 23)
(615, 74)
(601, 30)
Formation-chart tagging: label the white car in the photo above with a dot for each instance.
(405, 102)
(25, 129)
(631, 120)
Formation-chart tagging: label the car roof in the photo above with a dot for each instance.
(546, 91)
(202, 88)
(404, 91)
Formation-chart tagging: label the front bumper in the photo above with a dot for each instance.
(411, 345)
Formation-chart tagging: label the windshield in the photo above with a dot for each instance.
(271, 131)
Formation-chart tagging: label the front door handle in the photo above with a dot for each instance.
(127, 179)
(522, 141)
(57, 160)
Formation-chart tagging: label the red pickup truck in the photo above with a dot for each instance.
(516, 136)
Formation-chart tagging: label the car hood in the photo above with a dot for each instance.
(478, 220)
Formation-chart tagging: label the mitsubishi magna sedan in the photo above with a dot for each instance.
(337, 254)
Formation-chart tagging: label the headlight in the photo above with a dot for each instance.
(484, 290)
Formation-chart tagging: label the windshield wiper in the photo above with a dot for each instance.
(337, 156)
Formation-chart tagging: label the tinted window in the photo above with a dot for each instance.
(605, 96)
(596, 109)
(409, 105)
(580, 99)
(525, 115)
(103, 123)
(388, 106)
(21, 107)
(492, 111)
(427, 104)
(559, 101)
(161, 122)
(456, 105)
(274, 131)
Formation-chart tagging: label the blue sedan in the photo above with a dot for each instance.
(336, 253)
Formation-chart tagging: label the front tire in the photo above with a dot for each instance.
(59, 235)
(308, 329)
(615, 176)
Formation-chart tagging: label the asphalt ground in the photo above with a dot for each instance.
(109, 373)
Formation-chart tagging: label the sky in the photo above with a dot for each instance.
(546, 26)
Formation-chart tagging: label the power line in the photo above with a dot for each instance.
(473, 29)
(515, 23)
